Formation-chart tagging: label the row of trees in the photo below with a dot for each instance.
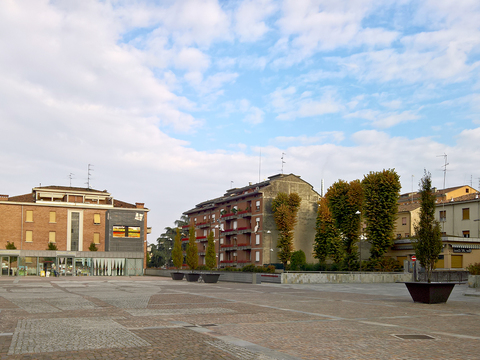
(340, 215)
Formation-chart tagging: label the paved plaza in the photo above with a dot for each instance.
(158, 318)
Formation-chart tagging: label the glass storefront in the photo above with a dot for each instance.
(69, 266)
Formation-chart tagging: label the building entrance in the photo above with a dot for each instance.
(5, 266)
(65, 266)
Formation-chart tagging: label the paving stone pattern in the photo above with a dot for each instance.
(157, 318)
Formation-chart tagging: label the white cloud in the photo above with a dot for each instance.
(325, 137)
(384, 120)
(249, 19)
(290, 108)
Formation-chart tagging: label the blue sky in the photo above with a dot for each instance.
(172, 101)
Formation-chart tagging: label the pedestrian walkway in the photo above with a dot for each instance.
(158, 318)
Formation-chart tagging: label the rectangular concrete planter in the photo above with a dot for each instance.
(176, 275)
(192, 277)
(210, 278)
(429, 293)
(474, 281)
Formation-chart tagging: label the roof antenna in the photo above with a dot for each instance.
(444, 194)
(70, 176)
(88, 177)
(283, 162)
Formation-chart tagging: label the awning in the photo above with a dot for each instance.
(469, 246)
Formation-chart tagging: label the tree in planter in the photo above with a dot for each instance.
(328, 242)
(52, 246)
(285, 208)
(210, 258)
(344, 200)
(428, 244)
(192, 251)
(10, 246)
(177, 253)
(381, 191)
(92, 247)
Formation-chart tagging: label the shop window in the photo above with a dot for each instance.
(404, 220)
(120, 231)
(53, 217)
(28, 236)
(466, 233)
(466, 214)
(51, 236)
(29, 216)
(96, 219)
(96, 238)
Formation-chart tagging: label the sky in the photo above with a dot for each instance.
(175, 102)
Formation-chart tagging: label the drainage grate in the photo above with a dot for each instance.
(415, 337)
(208, 325)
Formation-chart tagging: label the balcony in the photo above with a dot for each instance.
(228, 247)
(202, 225)
(244, 246)
(201, 239)
(237, 215)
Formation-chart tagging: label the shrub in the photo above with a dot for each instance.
(298, 260)
(474, 269)
(10, 246)
(93, 247)
(52, 246)
(383, 264)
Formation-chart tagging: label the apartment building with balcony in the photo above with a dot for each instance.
(243, 224)
(458, 212)
(72, 219)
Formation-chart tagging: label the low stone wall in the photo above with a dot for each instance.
(445, 276)
(342, 277)
(474, 281)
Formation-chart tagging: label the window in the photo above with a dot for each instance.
(51, 236)
(53, 216)
(466, 214)
(257, 256)
(235, 225)
(194, 220)
(96, 219)
(120, 231)
(205, 217)
(257, 205)
(404, 220)
(257, 239)
(213, 217)
(399, 236)
(467, 190)
(221, 256)
(466, 234)
(28, 236)
(96, 238)
(29, 216)
(221, 240)
(407, 235)
(204, 232)
(443, 215)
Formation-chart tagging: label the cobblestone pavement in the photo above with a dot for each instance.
(158, 318)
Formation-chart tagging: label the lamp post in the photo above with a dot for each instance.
(360, 240)
(219, 231)
(270, 246)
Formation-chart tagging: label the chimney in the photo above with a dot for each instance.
(3, 197)
(140, 205)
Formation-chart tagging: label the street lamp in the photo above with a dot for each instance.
(359, 213)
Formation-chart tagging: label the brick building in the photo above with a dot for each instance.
(243, 224)
(73, 219)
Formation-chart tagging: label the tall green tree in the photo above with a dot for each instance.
(328, 242)
(285, 208)
(192, 250)
(345, 200)
(210, 256)
(177, 253)
(381, 192)
(428, 244)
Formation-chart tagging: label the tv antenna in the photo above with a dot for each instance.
(283, 162)
(444, 181)
(70, 176)
(88, 175)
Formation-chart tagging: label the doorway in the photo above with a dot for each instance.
(65, 266)
(5, 266)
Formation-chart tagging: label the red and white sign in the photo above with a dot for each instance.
(414, 258)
